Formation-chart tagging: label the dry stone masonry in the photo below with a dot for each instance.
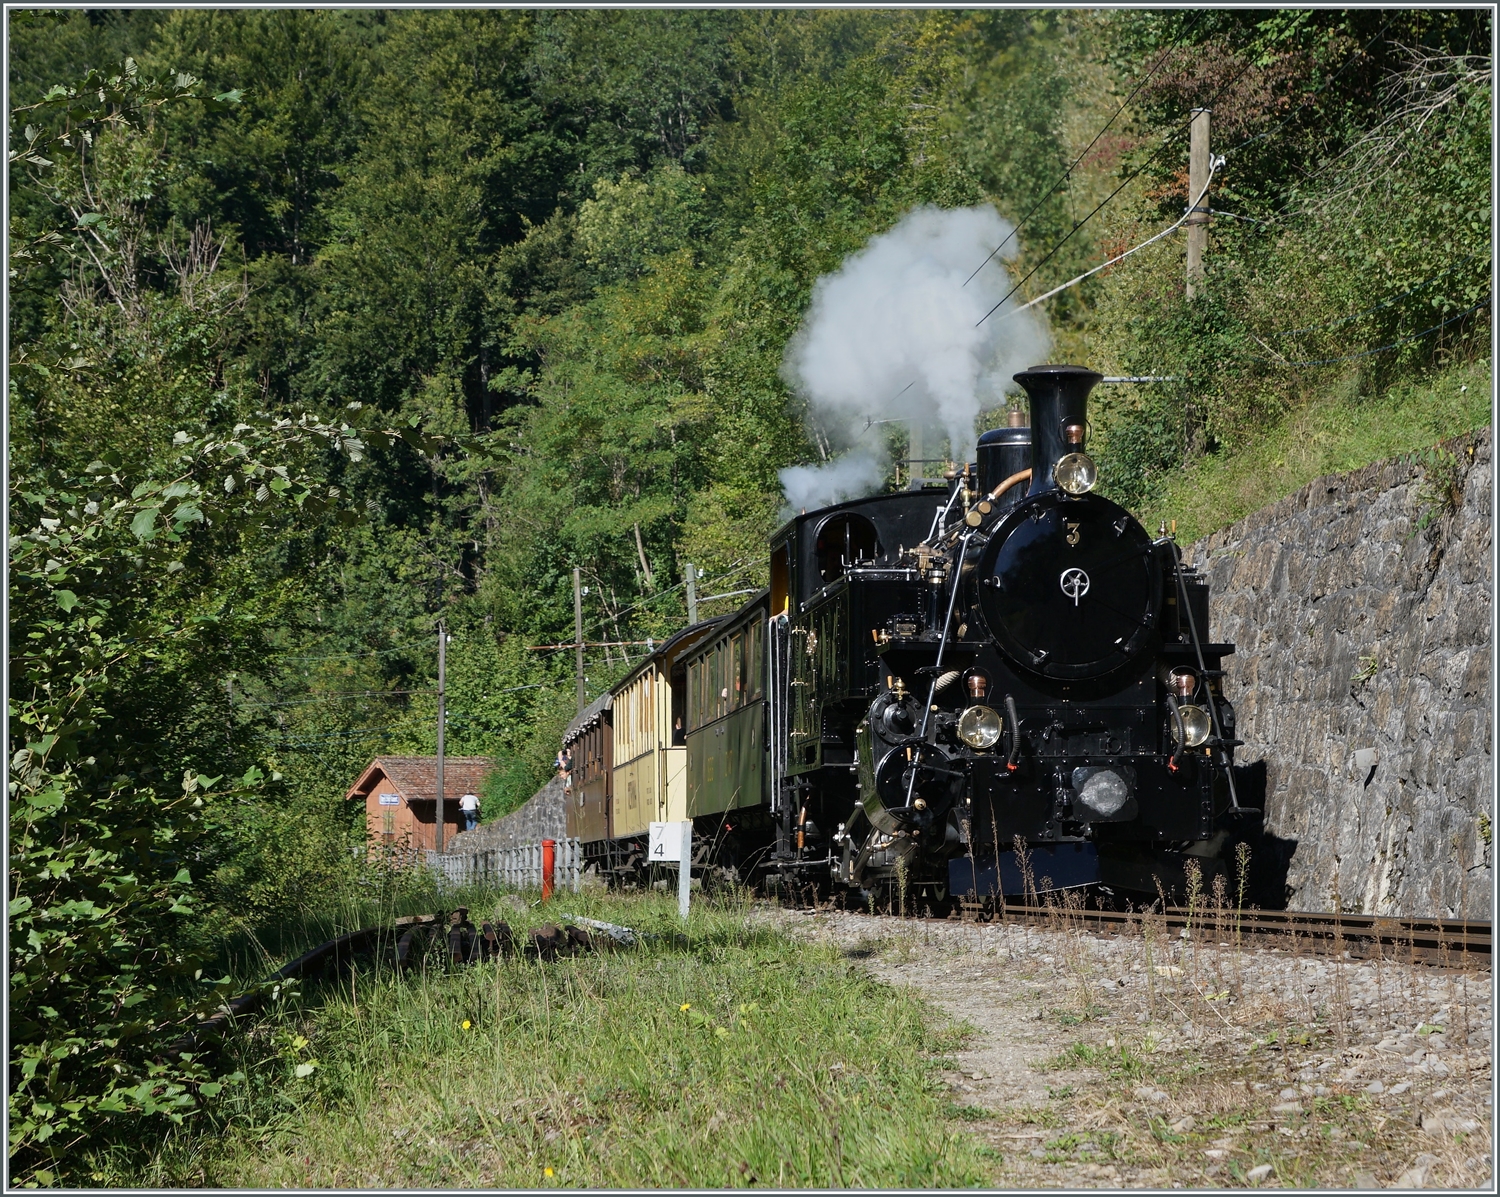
(1361, 610)
(544, 816)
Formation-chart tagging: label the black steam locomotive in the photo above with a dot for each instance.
(939, 677)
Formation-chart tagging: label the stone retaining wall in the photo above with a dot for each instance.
(542, 817)
(1360, 607)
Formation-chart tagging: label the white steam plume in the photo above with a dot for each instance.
(894, 334)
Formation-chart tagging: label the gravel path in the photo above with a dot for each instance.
(1149, 1059)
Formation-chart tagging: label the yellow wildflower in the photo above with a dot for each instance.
(467, 1024)
(686, 1006)
(547, 1171)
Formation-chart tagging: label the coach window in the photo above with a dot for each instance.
(780, 579)
(692, 696)
(702, 666)
(757, 658)
(737, 672)
(679, 709)
(722, 678)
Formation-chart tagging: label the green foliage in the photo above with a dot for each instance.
(1369, 269)
(121, 614)
(1341, 433)
(546, 265)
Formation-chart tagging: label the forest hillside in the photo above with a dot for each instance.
(327, 326)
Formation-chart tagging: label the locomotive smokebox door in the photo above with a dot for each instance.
(1069, 587)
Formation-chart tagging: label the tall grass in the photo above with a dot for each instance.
(719, 1053)
(1336, 432)
(371, 896)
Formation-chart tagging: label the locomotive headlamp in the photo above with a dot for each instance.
(1076, 473)
(1196, 725)
(979, 727)
(1104, 792)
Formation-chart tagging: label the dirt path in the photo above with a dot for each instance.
(1151, 1061)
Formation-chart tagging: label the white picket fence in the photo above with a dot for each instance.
(511, 868)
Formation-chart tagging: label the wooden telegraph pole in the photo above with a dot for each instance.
(442, 723)
(1197, 220)
(692, 593)
(578, 635)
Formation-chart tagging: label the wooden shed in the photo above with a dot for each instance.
(400, 797)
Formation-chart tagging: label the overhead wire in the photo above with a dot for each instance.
(1425, 283)
(1348, 62)
(294, 702)
(734, 567)
(1215, 163)
(1349, 357)
(384, 652)
(1166, 141)
(1172, 228)
(1213, 168)
(1063, 178)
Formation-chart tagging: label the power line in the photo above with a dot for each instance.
(729, 571)
(385, 652)
(1377, 307)
(344, 735)
(1350, 61)
(588, 644)
(1191, 206)
(1063, 178)
(1237, 216)
(295, 702)
(1100, 206)
(1172, 228)
(1349, 357)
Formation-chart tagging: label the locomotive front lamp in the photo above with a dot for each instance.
(1104, 793)
(1076, 473)
(979, 727)
(1196, 725)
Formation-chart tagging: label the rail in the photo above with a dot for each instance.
(1431, 940)
(519, 867)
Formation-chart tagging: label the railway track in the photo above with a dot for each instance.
(1463, 943)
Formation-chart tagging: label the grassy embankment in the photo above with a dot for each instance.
(721, 1054)
(1331, 434)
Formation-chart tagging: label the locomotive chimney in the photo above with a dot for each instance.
(1059, 416)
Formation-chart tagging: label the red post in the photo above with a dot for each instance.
(549, 863)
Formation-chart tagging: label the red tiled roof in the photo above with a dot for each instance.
(415, 777)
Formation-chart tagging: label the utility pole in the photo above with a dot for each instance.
(578, 634)
(692, 593)
(442, 722)
(1197, 220)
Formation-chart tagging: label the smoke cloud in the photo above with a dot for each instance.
(894, 334)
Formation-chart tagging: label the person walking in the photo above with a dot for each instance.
(468, 805)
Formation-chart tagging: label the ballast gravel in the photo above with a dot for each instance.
(1152, 1059)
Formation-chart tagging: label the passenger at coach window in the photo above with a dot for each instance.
(469, 806)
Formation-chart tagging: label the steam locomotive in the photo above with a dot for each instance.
(998, 683)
